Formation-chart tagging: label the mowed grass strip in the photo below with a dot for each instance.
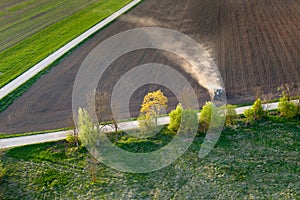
(23, 19)
(22, 56)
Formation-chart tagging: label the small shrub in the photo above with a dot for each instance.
(146, 123)
(258, 110)
(230, 114)
(286, 107)
(72, 137)
(255, 112)
(249, 115)
(210, 117)
(189, 121)
(175, 118)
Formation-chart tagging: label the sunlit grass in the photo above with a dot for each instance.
(254, 162)
(20, 57)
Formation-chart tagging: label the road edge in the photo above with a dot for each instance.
(37, 68)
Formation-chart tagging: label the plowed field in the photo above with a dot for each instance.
(254, 43)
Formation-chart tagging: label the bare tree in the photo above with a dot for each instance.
(266, 103)
(92, 166)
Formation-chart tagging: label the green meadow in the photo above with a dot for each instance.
(257, 161)
(33, 29)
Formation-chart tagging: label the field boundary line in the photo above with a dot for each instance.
(123, 126)
(20, 80)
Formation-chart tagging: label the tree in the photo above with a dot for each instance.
(146, 124)
(89, 135)
(249, 115)
(286, 107)
(175, 118)
(210, 116)
(255, 112)
(258, 110)
(183, 120)
(102, 102)
(152, 105)
(230, 113)
(87, 128)
(189, 121)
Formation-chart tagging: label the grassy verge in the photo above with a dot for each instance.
(254, 162)
(20, 57)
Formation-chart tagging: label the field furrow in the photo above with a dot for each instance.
(254, 43)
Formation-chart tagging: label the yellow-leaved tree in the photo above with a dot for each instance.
(152, 105)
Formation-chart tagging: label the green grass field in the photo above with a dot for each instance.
(21, 19)
(31, 30)
(260, 161)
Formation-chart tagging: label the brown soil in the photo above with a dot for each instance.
(254, 43)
